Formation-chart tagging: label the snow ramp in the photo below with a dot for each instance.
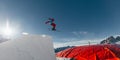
(28, 47)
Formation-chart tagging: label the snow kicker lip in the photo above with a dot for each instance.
(28, 47)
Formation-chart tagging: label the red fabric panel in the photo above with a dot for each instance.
(92, 52)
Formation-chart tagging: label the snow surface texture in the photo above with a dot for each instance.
(28, 47)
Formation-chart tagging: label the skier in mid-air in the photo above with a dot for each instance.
(51, 22)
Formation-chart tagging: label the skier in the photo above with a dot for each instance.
(51, 22)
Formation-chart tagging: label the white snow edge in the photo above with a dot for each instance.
(28, 47)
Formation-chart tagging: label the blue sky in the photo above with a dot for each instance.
(76, 19)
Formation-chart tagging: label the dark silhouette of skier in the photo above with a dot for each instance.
(51, 22)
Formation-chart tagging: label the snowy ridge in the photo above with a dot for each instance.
(28, 47)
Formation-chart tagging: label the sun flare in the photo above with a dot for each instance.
(7, 31)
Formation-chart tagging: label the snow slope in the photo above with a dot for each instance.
(28, 47)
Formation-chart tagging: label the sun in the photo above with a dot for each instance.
(7, 31)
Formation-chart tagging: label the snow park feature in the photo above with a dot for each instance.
(91, 52)
(28, 47)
